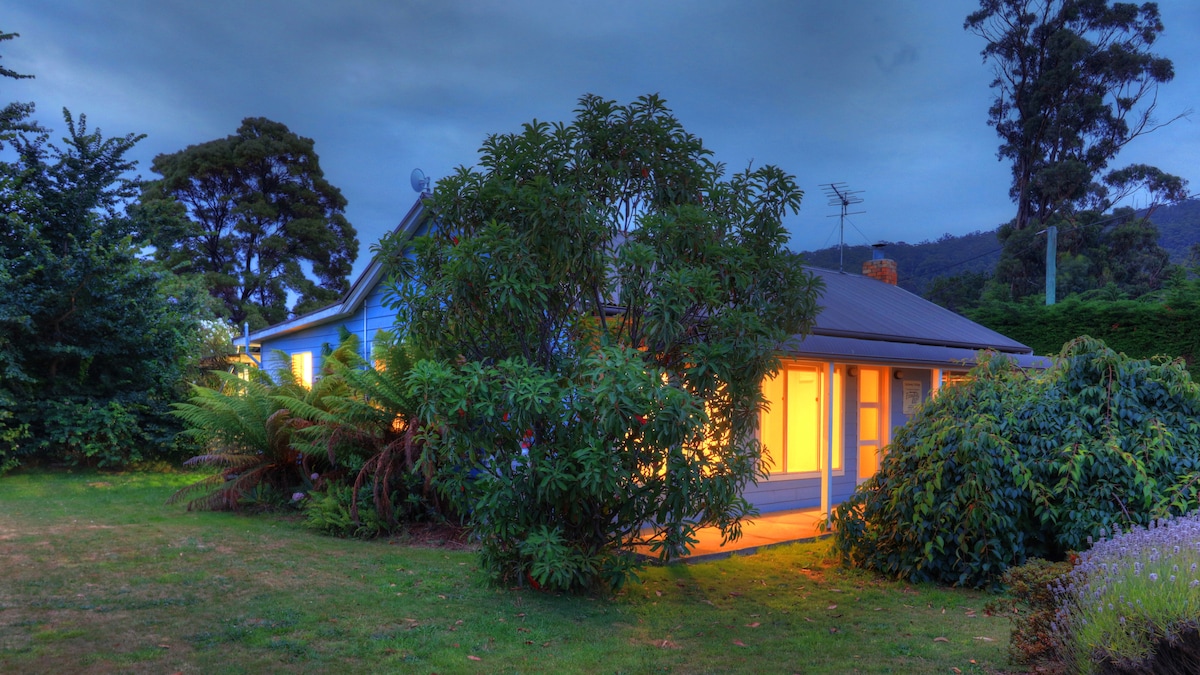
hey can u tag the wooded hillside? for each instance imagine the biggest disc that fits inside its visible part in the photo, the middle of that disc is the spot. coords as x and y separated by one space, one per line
1178 227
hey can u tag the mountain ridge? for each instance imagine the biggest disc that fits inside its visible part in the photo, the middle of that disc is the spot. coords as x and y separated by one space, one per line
919 264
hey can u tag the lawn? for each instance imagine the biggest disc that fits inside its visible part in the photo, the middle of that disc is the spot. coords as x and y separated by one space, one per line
98 576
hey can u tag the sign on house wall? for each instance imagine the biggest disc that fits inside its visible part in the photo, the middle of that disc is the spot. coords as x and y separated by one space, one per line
912 396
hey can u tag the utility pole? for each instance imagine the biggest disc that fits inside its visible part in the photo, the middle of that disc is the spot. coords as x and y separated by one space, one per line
1051 263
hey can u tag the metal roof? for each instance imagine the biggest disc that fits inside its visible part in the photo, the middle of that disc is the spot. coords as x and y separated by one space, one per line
825 347
861 318
862 308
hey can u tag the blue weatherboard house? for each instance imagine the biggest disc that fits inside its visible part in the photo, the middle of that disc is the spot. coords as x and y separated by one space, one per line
877 351
360 312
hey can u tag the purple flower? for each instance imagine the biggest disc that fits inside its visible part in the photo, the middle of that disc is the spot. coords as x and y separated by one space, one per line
297 496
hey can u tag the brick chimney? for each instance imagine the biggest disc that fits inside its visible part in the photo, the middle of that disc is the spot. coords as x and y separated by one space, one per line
879 267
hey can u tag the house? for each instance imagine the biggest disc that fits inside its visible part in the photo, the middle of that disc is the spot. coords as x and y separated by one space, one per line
876 352
361 312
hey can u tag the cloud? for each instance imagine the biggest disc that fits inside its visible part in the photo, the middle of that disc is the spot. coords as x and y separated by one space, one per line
890 97
903 56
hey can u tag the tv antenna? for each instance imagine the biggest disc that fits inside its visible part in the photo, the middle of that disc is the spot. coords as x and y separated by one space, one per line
419 181
841 195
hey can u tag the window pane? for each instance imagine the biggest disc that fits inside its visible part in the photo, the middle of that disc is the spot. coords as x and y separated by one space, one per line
773 423
837 420
868 424
804 421
868 460
868 385
302 367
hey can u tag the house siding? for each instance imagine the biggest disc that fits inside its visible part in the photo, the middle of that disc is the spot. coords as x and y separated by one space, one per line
318 338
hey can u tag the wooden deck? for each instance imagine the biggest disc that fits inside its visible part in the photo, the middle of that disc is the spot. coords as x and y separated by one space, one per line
768 529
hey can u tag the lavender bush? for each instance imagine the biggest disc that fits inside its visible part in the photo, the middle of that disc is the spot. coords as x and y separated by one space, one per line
1132 604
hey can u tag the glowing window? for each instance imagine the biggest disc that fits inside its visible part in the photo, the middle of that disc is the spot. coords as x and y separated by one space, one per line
872 411
953 377
302 368
795 429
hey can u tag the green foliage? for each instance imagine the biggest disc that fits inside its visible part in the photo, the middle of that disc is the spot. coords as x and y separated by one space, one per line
368 429
1075 83
1118 253
94 433
958 293
93 345
1031 603
1132 604
1169 325
8 72
12 436
249 213
248 433
332 511
345 443
14 117
599 307
1012 465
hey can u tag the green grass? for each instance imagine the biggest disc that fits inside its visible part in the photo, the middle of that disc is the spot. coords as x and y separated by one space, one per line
98 576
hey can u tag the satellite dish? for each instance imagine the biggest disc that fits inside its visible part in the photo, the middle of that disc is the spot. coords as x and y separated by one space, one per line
419 181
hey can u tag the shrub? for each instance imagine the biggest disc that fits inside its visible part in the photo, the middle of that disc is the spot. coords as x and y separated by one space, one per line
249 432
1168 324
369 431
599 304
1132 604
91 432
100 432
1033 605
13 435
1012 465
565 486
372 429
330 511
94 341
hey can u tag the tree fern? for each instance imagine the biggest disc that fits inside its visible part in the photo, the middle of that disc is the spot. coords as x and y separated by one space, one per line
248 433
373 430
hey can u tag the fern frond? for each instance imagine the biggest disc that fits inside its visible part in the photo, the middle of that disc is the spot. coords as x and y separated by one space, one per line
232 462
205 484
304 409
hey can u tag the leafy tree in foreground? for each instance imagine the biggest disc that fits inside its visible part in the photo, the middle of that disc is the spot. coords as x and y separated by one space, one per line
251 213
92 344
1012 465
601 306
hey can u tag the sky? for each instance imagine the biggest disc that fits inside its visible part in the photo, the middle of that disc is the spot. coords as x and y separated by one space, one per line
889 97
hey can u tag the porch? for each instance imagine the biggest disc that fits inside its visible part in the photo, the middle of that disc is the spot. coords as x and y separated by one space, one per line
766 530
